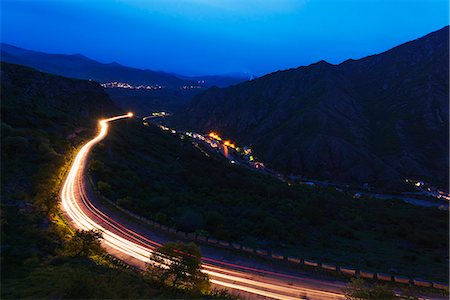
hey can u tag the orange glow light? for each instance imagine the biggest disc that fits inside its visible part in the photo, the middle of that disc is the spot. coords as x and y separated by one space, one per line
214 136
229 144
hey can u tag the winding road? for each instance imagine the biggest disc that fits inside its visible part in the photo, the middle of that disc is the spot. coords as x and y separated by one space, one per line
133 244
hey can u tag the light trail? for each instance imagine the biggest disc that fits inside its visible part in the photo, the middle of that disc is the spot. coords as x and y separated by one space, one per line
85 216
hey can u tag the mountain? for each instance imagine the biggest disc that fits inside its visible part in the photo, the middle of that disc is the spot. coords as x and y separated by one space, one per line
177 89
82 67
143 102
376 120
32 98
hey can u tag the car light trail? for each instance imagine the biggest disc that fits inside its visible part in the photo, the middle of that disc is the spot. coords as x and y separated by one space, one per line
84 215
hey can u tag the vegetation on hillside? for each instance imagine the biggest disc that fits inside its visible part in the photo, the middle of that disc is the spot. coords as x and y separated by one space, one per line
44 118
158 175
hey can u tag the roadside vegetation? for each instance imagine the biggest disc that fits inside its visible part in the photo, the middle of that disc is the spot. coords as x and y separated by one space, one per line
358 289
44 119
159 176
178 265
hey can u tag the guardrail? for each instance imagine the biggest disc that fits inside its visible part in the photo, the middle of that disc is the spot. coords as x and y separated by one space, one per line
342 270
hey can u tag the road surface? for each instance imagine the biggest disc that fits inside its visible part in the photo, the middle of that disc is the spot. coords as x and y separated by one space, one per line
134 247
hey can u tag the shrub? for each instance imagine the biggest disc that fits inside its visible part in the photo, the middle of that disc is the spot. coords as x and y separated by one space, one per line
178 265
357 289
104 188
83 243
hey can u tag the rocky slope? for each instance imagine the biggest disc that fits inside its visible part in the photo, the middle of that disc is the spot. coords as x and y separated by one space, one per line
376 120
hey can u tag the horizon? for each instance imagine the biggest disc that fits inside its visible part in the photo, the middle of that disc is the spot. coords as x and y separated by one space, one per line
230 32
230 74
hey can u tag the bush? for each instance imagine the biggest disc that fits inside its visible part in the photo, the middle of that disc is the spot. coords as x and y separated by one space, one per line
178 265
357 289
104 188
125 202
83 243
15 144
97 166
191 221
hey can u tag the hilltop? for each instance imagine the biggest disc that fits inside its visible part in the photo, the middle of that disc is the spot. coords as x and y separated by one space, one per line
375 120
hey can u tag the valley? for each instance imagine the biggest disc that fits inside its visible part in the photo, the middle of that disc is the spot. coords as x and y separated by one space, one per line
181 187
225 150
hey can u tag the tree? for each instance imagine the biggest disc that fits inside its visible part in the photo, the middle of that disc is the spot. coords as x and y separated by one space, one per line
84 243
97 166
104 188
15 144
357 289
178 265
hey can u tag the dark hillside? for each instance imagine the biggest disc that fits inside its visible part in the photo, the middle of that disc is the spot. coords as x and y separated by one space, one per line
43 119
376 120
163 177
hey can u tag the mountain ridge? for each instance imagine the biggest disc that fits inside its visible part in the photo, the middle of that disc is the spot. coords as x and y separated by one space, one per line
82 67
361 121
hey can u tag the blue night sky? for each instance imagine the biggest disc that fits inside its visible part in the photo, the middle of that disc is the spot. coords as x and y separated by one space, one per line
195 37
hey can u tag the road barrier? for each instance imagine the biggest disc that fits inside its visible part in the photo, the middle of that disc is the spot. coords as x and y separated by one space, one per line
420 282
348 271
294 260
384 277
262 252
401 279
266 254
439 285
366 274
247 249
236 246
212 241
224 243
310 263
329 267
277 256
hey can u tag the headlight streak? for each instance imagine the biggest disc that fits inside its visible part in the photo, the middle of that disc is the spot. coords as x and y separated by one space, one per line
139 247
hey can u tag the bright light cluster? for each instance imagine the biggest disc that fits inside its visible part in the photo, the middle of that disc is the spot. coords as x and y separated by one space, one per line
214 136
